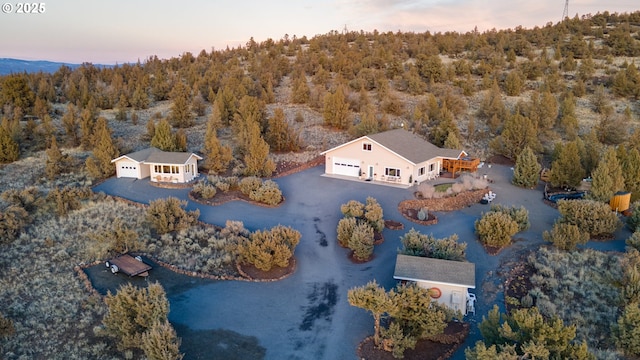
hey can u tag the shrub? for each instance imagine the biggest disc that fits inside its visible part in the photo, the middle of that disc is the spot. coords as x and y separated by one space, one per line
416 244
268 193
67 199
373 214
353 208
133 311
345 230
119 238
566 236
361 241
30 199
634 240
633 221
12 220
627 330
495 229
519 215
223 186
204 190
269 248
161 342
590 216
249 184
167 215
6 327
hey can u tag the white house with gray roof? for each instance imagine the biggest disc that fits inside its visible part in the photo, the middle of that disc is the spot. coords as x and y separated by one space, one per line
158 165
397 156
448 280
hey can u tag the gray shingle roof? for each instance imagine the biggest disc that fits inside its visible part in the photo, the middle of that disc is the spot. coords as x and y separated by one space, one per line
157 156
417 268
165 157
411 146
142 155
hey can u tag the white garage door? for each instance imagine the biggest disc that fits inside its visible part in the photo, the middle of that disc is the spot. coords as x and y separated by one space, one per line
128 169
348 167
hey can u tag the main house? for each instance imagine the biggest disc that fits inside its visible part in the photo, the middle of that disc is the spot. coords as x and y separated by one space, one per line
397 156
448 280
158 165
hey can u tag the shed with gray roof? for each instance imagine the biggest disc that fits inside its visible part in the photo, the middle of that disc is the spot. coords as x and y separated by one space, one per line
449 280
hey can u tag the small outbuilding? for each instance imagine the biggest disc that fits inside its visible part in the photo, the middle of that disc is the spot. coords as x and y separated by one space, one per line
158 165
448 280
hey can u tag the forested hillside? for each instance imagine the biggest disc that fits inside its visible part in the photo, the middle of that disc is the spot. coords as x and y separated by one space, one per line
568 93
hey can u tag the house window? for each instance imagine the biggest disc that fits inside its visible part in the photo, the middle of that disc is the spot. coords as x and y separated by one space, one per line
366 146
391 172
421 171
186 168
175 169
157 169
432 167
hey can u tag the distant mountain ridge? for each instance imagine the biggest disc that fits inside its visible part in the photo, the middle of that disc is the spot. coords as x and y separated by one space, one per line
9 66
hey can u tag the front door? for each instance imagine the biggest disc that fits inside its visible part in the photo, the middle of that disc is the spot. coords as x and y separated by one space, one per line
370 171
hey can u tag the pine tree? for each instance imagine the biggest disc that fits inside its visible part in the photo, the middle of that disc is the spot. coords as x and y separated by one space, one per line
9 149
87 139
99 164
163 138
140 99
527 170
180 115
300 92
181 140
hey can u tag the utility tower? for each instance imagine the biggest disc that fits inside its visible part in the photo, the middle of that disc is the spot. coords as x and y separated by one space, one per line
565 13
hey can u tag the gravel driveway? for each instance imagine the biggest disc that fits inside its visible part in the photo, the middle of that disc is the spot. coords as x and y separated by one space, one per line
307 316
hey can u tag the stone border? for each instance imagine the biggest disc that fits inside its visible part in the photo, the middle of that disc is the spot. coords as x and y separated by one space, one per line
293 270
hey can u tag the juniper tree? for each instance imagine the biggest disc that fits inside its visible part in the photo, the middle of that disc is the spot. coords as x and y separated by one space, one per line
160 342
518 132
99 163
568 119
56 162
167 215
70 124
180 115
631 171
336 109
607 177
361 241
566 170
256 157
527 169
270 248
279 135
217 156
132 311
375 299
163 138
9 148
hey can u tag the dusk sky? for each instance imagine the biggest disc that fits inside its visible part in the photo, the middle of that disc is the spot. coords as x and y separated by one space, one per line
121 31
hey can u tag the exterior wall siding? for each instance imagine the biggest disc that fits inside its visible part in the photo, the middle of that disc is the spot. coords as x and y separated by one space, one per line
379 157
447 294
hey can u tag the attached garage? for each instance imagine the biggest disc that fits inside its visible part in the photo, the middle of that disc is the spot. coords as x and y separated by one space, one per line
127 169
347 167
